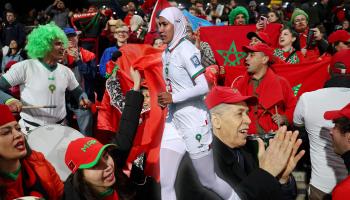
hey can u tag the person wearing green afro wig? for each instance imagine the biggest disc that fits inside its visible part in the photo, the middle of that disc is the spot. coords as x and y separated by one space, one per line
43 79
238 16
41 38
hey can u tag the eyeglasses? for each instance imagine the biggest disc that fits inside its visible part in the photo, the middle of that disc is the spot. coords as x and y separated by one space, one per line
300 20
122 32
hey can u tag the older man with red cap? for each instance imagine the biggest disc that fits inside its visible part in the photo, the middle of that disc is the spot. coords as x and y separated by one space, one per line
340 134
276 100
327 169
23 172
267 179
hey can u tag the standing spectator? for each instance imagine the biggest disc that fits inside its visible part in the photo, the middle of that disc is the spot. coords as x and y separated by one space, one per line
289 49
341 142
253 13
238 16
59 13
310 38
82 63
274 17
12 30
275 95
121 34
327 169
14 54
43 81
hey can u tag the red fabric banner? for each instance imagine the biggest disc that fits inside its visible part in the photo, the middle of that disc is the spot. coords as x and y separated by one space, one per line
227 48
148 61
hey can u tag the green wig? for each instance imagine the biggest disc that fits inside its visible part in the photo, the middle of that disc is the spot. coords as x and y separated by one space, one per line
238 10
40 40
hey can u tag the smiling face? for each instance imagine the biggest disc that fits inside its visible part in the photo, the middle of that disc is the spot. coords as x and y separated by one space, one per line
57 52
239 20
286 38
166 30
121 34
271 17
340 140
101 176
12 145
231 123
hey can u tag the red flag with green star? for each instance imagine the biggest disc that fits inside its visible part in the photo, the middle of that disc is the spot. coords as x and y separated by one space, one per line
227 46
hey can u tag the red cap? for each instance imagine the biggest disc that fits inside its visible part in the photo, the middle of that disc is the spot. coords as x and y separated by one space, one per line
261 47
6 115
339 36
340 63
84 153
221 94
335 114
261 36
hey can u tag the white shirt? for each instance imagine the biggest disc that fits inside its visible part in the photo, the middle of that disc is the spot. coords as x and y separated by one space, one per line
328 168
181 66
41 86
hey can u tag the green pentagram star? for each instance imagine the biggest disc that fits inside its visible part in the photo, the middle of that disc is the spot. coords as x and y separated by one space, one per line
232 51
296 89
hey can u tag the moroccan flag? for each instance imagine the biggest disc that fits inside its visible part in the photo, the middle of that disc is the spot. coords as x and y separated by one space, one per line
148 61
305 77
226 43
160 5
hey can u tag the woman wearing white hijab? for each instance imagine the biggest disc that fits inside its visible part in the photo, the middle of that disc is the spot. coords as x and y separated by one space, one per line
187 127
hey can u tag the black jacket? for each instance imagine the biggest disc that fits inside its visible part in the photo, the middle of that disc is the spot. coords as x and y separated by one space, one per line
14 31
250 183
124 140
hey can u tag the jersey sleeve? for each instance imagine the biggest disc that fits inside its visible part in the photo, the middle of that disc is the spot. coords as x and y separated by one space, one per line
16 75
192 62
299 112
72 81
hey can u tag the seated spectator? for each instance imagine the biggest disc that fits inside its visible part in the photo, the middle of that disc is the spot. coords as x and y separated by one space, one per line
341 142
23 172
289 50
59 12
339 40
346 26
14 54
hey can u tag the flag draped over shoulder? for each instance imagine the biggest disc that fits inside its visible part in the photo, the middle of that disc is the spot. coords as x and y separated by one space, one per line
147 60
226 43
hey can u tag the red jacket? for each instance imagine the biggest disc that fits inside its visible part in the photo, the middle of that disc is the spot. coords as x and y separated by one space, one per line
342 190
273 92
35 167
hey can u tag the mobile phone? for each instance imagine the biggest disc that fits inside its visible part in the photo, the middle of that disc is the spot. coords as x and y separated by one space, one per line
263 20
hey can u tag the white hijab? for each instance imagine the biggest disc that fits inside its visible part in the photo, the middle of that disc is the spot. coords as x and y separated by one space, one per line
175 16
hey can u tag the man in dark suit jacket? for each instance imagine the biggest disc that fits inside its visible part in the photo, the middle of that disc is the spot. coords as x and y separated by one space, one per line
269 177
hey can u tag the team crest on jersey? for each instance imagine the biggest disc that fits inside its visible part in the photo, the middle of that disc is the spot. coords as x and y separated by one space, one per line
195 61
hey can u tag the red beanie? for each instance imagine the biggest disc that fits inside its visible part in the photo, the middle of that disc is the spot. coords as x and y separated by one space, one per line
6 115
